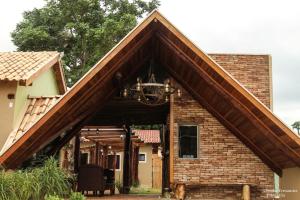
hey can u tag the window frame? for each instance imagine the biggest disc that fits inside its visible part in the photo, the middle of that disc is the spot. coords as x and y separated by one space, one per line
198 138
145 161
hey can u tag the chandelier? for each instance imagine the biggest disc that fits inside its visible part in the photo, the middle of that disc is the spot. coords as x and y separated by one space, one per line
151 92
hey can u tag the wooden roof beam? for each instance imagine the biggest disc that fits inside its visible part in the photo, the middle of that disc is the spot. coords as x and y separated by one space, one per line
263 128
265 158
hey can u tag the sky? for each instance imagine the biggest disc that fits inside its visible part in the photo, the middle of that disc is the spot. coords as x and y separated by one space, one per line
218 26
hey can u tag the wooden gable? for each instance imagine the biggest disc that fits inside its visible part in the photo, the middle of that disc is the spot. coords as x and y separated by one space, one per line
224 97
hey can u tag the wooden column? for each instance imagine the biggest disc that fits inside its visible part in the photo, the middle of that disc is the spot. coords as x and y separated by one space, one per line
165 154
97 153
77 153
126 163
92 155
171 134
115 162
136 164
105 152
246 192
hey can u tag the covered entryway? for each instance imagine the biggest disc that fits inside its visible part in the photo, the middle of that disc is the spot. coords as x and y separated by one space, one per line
114 138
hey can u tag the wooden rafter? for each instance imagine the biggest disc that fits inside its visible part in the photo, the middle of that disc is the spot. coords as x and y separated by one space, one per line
242 113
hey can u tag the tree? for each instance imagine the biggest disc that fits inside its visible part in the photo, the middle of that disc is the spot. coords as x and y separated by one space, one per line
296 125
85 30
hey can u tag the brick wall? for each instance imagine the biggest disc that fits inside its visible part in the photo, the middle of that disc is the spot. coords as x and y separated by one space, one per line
252 71
223 160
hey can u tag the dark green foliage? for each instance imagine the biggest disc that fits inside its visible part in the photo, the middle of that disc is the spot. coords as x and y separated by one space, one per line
296 125
85 30
77 196
35 184
53 197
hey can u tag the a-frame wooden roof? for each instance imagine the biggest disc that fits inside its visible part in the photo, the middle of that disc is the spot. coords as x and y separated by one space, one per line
236 108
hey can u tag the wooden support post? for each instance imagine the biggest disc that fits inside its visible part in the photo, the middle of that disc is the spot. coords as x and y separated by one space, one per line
136 164
246 192
77 153
97 153
171 134
105 158
126 163
166 168
92 154
115 162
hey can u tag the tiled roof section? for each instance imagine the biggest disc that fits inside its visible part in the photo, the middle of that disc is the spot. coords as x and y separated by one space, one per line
20 66
148 136
37 107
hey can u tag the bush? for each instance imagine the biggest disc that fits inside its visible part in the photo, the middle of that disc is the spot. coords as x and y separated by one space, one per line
77 196
50 197
52 180
35 184
119 186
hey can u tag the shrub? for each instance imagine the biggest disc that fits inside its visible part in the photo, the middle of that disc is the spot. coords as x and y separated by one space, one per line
52 180
119 186
50 197
35 184
5 186
77 196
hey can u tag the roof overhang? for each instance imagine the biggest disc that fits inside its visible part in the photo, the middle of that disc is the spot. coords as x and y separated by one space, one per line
235 107
44 64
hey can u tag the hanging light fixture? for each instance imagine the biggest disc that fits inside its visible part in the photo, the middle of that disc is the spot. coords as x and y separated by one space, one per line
151 93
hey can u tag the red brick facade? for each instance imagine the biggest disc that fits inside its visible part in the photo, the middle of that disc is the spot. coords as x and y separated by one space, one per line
223 161
254 72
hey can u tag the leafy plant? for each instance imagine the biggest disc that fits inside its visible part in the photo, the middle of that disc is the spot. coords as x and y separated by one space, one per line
119 186
52 179
135 184
77 196
35 184
50 197
5 186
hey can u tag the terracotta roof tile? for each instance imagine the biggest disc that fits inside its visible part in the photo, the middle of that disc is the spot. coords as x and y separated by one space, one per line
148 136
17 66
37 107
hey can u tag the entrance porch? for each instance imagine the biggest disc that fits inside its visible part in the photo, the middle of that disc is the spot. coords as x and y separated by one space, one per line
114 141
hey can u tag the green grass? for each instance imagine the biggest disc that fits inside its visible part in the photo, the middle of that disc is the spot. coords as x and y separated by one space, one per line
144 190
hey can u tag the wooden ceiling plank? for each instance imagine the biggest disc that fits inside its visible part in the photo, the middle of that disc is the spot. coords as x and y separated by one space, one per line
255 121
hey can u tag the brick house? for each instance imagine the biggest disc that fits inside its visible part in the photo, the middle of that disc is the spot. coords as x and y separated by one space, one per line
220 137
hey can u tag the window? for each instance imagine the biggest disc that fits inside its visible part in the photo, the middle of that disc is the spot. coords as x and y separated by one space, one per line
142 158
188 141
84 158
111 162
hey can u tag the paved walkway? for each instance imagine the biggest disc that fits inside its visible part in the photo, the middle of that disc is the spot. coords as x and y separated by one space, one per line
127 197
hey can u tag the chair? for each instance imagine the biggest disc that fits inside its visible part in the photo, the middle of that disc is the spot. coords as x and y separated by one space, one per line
109 177
91 178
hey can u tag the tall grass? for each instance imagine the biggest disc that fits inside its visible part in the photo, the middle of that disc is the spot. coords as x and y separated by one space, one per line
36 183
